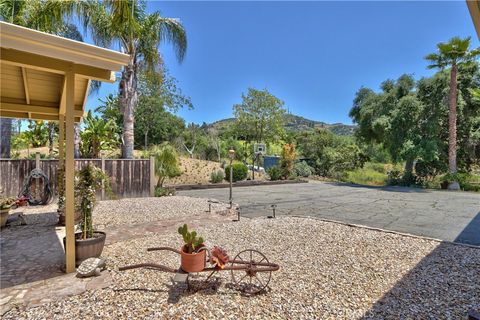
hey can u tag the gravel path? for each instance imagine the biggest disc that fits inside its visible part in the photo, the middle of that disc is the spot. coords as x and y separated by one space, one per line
328 271
141 210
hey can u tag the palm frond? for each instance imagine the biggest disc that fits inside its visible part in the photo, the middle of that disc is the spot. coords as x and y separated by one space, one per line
172 31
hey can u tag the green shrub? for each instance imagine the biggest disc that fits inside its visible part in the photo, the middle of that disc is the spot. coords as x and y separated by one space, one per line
366 176
375 166
394 177
468 182
240 172
302 169
217 176
275 173
163 191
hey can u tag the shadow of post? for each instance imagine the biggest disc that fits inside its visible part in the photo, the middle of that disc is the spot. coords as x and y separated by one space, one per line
471 233
31 252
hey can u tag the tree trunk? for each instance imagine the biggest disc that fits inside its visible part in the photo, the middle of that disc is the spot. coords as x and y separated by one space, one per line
51 132
6 135
146 140
128 101
452 127
76 141
409 165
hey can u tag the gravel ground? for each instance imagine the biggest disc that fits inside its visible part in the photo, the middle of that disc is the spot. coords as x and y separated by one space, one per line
328 271
141 210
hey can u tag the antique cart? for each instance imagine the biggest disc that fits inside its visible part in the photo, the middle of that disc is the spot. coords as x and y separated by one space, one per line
250 270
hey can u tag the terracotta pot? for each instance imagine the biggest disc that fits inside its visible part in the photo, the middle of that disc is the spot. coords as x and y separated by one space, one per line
4 216
193 262
87 248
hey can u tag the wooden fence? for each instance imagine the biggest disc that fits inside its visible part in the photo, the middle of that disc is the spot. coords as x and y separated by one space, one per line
128 178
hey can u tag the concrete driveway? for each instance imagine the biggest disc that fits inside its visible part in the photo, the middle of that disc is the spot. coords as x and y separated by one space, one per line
453 216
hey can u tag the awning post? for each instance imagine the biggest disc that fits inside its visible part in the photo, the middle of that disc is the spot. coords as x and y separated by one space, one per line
70 173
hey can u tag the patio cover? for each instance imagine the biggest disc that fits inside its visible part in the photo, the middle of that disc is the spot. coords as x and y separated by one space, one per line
474 7
47 77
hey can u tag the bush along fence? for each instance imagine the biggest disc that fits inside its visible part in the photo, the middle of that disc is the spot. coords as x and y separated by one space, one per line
129 178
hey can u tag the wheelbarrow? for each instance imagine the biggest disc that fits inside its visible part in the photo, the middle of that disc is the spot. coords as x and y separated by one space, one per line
251 271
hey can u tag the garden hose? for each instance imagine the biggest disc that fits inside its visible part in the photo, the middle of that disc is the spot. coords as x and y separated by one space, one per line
46 195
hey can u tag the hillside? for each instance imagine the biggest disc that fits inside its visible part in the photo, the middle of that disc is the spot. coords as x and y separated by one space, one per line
297 123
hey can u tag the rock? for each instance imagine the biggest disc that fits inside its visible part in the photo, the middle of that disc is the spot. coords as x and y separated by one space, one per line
91 267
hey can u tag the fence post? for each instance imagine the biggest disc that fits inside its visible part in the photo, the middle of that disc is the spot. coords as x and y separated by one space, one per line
152 176
103 183
37 160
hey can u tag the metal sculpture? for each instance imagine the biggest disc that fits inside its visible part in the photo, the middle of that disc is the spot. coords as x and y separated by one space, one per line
250 270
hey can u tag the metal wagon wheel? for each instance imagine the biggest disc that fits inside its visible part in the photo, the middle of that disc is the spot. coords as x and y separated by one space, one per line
252 279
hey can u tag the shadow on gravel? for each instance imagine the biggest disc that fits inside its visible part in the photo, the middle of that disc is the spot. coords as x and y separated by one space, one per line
383 188
471 233
445 284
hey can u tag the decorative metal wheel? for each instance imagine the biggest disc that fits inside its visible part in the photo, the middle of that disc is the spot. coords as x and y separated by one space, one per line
247 273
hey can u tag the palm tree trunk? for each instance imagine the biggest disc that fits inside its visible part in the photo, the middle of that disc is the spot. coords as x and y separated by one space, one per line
452 127
128 101
51 132
76 141
6 135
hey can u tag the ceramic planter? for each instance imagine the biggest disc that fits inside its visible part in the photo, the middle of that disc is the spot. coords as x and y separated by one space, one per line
193 262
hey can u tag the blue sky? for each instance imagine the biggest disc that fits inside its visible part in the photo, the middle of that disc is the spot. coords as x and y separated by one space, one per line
312 55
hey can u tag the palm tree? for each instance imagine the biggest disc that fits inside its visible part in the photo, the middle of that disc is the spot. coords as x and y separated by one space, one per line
98 135
451 54
166 163
126 24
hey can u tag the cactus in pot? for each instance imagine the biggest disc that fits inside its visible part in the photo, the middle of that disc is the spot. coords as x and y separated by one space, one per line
193 256
192 242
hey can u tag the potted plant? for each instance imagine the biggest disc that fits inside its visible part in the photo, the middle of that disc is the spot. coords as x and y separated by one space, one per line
89 243
193 252
5 206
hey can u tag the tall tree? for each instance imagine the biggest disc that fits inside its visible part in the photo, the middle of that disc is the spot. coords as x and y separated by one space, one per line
159 96
260 116
127 25
452 54
6 135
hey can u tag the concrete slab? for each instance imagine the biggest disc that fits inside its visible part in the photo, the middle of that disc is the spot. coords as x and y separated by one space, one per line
446 215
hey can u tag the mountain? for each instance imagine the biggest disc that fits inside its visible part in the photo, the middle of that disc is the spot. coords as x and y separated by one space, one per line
297 123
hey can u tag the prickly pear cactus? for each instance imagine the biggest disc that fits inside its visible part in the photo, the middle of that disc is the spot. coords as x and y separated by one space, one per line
190 238
91 267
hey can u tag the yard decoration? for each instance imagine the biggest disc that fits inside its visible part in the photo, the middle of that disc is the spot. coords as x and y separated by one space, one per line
89 243
218 257
250 269
193 251
91 267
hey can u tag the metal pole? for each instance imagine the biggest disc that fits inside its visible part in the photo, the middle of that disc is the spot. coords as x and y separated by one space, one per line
231 179
253 168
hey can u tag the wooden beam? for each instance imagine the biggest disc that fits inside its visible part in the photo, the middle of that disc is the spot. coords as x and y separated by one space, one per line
33 102
474 8
25 85
70 174
44 63
87 92
32 116
63 97
61 141
34 109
